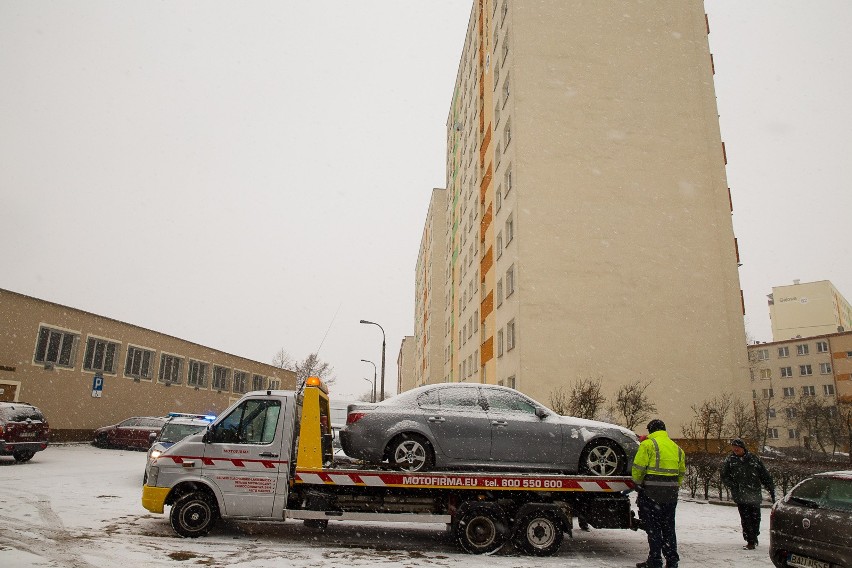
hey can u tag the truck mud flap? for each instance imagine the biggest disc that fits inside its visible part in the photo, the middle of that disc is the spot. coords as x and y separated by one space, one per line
607 513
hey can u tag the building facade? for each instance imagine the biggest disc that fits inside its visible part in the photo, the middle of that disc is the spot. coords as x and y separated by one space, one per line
795 377
808 309
588 218
56 357
406 365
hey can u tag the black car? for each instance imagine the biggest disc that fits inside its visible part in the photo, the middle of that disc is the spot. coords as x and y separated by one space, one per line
811 527
23 430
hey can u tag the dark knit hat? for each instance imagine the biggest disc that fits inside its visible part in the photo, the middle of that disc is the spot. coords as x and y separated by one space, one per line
656 425
739 442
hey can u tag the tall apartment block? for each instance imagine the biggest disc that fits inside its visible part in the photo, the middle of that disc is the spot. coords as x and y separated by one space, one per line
588 219
805 310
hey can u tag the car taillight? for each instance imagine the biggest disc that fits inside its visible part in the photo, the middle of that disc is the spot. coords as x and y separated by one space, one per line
354 417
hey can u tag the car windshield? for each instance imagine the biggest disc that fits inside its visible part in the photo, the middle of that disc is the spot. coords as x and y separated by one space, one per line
16 413
175 432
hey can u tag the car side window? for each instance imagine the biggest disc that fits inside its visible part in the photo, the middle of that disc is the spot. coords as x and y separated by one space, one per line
504 401
252 422
460 398
429 400
839 495
129 423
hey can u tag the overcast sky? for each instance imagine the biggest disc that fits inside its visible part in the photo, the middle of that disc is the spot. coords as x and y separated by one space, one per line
254 176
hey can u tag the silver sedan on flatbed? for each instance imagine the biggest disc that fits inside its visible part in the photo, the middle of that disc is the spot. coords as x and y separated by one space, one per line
482 426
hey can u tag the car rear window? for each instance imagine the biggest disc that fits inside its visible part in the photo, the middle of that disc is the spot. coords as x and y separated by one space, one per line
839 494
15 413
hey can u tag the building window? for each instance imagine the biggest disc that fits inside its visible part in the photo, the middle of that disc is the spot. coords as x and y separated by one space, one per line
802 349
100 355
792 433
138 363
499 244
55 347
822 347
505 50
170 367
828 390
765 374
510 335
197 374
504 9
240 381
499 293
498 198
221 378
805 370
789 392
510 281
258 382
809 391
507 134
506 91
274 384
770 413
786 372
476 320
825 368
772 433
508 181
762 354
500 343
510 229
768 393
791 413
783 351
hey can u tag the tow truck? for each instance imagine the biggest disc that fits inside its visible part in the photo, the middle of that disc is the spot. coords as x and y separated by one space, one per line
269 457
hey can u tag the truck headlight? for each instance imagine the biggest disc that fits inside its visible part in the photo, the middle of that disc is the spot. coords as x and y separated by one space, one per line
155 454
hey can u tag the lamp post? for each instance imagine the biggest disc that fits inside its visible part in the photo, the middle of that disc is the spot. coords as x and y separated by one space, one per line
382 390
373 392
374 378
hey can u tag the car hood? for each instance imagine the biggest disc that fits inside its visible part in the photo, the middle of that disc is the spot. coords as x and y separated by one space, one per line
590 428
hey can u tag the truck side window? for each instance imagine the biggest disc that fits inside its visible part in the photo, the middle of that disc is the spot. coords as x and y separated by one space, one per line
252 422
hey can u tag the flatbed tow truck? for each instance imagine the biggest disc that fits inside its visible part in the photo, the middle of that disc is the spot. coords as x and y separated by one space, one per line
269 458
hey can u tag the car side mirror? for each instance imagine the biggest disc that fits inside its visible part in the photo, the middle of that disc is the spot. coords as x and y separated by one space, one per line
151 437
541 413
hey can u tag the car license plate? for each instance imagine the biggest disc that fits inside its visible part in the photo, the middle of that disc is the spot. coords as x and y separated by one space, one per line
28 435
805 562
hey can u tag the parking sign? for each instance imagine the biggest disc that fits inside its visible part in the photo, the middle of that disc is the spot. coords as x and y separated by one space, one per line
97 385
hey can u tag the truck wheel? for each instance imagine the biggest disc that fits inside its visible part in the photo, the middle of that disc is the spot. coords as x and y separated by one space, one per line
22 456
603 457
411 452
540 533
481 530
194 514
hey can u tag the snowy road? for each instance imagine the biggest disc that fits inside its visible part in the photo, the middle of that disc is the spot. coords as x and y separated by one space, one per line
79 507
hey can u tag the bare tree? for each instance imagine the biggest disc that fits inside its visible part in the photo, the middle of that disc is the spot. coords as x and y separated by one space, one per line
311 366
583 401
709 419
812 417
632 404
743 422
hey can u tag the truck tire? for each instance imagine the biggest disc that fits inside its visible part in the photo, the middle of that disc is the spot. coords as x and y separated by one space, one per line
194 514
540 533
481 529
411 452
603 457
22 456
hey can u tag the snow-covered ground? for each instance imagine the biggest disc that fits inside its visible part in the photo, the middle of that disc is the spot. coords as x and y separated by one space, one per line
78 506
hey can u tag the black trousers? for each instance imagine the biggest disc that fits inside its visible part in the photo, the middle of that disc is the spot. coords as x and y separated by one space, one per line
659 522
750 519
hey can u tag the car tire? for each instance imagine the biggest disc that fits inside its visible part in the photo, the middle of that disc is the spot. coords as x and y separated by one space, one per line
22 456
411 452
540 533
481 529
603 457
101 441
194 514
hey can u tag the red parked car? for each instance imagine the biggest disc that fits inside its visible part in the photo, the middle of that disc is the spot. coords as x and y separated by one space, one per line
131 433
23 430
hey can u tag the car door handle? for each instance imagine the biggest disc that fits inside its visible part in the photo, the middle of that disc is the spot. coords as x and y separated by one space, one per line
437 419
268 455
499 423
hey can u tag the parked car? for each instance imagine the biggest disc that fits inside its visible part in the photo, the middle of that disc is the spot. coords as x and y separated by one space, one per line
23 430
177 427
131 433
463 426
811 527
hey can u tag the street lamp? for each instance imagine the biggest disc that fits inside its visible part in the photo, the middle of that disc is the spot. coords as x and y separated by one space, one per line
374 378
382 391
373 382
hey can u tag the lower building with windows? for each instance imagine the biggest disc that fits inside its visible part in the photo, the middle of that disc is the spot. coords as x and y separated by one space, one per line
86 371
796 387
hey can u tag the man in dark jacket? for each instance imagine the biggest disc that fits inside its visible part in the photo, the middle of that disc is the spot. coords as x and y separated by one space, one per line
745 476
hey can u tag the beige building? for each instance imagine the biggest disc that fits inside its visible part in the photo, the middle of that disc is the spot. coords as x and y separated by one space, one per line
405 365
784 374
805 310
54 356
588 217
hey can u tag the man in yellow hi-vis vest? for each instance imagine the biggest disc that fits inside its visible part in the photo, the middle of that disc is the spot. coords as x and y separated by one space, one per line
658 469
